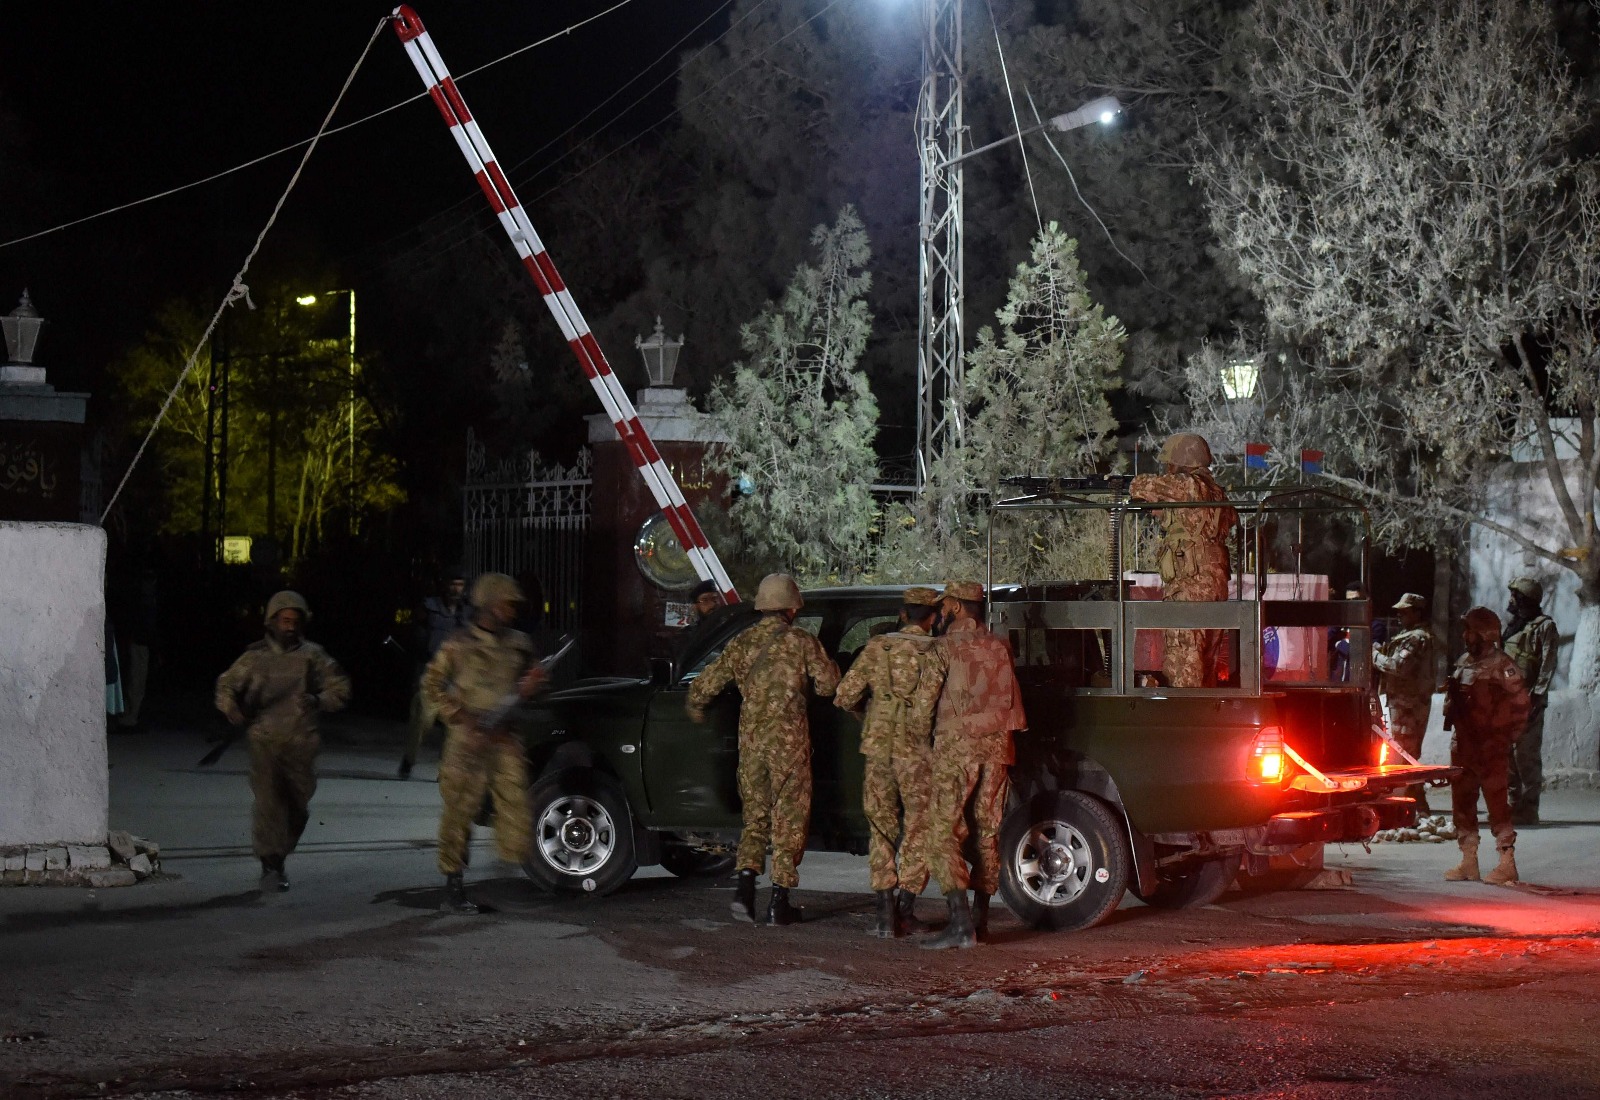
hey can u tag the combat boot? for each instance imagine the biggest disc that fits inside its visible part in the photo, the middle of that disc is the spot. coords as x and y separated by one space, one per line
779 911
883 924
980 915
744 897
1505 872
958 933
906 914
1467 871
405 768
455 897
273 876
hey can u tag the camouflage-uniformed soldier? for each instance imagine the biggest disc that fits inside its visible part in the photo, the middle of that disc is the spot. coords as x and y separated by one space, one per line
471 676
771 664
903 676
1531 640
1406 661
279 686
979 708
1486 703
1194 553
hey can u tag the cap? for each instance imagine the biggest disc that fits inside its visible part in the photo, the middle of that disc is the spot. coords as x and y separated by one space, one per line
920 597
1411 599
971 591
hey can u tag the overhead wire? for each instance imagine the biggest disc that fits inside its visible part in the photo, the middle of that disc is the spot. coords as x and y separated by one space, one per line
324 132
239 290
1016 120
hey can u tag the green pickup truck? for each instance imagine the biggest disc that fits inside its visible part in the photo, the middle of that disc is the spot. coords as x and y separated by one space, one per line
1120 783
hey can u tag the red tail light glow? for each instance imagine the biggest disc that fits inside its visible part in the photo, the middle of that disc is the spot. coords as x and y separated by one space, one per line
1266 756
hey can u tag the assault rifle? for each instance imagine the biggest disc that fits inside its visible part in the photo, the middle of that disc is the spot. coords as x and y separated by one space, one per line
509 703
1034 485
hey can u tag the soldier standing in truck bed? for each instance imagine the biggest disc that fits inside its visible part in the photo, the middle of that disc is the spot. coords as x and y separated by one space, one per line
903 676
279 686
1193 555
771 663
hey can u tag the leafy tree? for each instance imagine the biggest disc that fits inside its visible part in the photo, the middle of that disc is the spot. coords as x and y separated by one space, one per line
1037 403
1414 214
800 417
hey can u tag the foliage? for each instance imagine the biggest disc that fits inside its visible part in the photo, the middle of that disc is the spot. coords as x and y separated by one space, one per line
1037 403
800 417
296 417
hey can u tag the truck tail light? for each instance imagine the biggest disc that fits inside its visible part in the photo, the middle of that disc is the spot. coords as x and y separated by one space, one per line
1267 762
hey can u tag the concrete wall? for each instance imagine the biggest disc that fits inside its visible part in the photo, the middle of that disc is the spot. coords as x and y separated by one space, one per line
54 777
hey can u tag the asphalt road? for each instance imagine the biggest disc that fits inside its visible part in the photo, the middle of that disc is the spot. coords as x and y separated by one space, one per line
353 984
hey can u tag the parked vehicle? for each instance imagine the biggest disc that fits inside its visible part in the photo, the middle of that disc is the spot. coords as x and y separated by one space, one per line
1121 782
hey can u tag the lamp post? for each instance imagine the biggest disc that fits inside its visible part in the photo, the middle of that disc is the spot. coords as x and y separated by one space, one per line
660 355
350 350
1239 379
1103 111
22 327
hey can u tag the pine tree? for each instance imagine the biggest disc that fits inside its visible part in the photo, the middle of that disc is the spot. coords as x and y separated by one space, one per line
800 416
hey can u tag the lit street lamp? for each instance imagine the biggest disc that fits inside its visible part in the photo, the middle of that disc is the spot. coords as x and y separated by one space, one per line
1103 111
1239 379
311 300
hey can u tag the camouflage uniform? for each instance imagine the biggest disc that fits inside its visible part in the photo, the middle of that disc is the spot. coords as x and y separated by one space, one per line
472 672
1532 645
270 685
771 663
904 677
980 705
1487 704
1406 661
1194 567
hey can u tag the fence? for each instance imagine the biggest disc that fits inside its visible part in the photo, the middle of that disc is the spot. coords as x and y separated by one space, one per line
527 519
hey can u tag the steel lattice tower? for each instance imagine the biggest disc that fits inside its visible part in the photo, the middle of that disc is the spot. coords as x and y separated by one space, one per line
940 133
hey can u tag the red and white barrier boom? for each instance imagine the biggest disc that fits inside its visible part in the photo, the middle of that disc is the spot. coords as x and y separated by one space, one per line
514 220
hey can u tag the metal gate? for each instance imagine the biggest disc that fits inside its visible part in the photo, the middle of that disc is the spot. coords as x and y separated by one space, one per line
529 520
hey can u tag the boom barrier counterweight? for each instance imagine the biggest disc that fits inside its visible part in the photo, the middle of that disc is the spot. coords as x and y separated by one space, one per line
514 220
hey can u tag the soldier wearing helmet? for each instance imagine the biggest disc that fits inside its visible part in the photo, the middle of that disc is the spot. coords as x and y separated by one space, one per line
471 675
771 664
1531 640
277 689
1486 704
1406 662
1193 552
900 676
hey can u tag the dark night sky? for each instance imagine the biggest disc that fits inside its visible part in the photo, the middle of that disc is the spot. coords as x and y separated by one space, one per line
104 105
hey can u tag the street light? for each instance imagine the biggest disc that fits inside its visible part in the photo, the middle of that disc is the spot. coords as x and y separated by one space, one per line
1103 110
1239 379
660 355
22 326
311 300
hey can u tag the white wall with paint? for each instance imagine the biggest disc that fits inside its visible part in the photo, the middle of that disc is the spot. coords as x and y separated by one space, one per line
54 778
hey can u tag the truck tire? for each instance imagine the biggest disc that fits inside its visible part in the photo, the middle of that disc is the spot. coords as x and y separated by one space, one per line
1063 861
1202 884
582 834
687 861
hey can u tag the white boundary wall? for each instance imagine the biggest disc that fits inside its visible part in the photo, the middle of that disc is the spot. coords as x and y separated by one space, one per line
54 778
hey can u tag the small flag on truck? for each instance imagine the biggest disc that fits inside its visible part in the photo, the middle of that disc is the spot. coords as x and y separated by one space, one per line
1255 456
1311 462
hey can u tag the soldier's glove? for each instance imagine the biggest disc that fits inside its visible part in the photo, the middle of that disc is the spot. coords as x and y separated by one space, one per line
233 714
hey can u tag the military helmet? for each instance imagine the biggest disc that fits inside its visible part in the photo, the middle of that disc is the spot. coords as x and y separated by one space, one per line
1528 588
286 601
778 592
492 587
1186 449
1483 621
970 591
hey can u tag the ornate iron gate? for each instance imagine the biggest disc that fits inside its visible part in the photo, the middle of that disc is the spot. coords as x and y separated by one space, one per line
523 518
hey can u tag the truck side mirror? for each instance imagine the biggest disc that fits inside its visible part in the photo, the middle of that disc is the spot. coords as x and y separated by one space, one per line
660 672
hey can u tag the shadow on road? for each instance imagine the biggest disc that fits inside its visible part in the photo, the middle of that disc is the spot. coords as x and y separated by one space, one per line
94 913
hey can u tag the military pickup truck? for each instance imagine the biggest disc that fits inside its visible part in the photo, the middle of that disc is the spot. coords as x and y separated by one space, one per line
1120 783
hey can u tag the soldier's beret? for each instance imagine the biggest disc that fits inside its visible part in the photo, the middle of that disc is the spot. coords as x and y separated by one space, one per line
920 597
971 591
1411 599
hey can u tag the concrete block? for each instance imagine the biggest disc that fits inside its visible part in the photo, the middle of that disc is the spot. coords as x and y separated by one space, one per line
115 876
12 878
54 780
34 860
55 859
121 845
15 861
140 865
82 857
